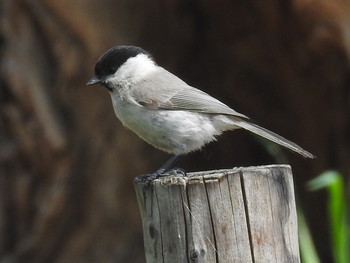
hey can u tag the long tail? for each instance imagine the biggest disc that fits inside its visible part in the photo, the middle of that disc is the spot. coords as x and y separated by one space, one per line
273 137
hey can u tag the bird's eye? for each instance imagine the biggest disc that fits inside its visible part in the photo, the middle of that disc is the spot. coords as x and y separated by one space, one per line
111 70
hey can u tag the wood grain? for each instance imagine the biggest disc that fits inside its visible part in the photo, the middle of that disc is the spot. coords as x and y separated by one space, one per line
236 215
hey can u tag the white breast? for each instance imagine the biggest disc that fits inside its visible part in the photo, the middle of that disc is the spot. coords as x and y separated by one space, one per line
176 132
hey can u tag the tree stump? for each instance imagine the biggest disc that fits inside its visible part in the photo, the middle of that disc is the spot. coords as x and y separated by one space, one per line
235 215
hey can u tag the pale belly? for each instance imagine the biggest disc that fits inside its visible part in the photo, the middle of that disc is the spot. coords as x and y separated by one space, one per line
176 132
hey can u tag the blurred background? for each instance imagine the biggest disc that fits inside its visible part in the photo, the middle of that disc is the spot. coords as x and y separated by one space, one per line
67 164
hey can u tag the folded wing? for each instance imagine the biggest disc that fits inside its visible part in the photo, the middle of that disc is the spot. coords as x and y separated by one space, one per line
163 90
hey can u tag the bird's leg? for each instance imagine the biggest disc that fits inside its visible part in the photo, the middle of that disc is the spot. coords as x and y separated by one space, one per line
167 164
164 168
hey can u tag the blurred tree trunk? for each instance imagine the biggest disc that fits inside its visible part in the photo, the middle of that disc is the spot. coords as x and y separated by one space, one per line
66 163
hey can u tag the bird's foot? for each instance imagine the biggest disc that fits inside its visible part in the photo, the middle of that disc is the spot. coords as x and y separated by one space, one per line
147 178
176 172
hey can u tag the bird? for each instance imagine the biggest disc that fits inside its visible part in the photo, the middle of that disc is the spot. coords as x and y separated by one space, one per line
164 110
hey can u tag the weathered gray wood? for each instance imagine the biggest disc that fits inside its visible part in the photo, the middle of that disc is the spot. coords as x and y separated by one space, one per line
201 242
272 214
236 215
232 242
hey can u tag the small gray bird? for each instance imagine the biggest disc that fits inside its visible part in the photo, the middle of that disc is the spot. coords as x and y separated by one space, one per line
164 110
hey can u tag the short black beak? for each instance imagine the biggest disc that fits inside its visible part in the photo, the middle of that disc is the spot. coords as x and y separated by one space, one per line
93 80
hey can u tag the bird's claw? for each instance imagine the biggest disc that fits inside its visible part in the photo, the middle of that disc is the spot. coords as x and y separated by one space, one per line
177 172
148 178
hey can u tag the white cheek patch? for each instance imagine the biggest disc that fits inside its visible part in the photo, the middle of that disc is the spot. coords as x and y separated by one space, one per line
112 79
134 69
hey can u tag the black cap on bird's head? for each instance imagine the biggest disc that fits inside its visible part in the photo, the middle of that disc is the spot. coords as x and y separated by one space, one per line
111 61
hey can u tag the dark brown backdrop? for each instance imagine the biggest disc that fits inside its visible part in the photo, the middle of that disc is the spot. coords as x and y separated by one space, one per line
66 162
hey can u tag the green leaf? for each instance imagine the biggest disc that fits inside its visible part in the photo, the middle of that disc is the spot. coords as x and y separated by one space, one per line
333 182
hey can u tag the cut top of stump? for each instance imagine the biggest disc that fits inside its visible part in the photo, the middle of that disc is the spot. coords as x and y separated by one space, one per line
174 179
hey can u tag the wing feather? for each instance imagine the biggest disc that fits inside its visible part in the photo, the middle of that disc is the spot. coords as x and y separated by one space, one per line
163 90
